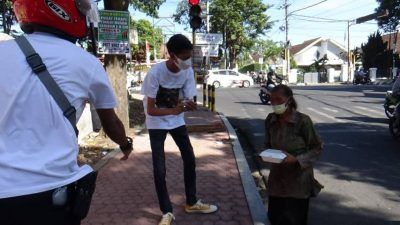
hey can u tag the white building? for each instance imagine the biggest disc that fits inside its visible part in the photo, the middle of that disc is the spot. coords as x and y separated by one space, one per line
309 51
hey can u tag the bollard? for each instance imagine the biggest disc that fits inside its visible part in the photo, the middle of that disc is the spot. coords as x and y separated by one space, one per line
204 95
213 99
209 96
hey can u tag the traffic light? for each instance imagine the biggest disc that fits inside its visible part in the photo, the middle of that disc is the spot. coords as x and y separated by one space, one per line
195 14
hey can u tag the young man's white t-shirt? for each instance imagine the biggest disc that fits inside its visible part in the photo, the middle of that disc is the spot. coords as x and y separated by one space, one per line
160 75
38 146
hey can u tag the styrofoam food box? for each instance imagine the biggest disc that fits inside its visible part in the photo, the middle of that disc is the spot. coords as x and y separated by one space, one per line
273 156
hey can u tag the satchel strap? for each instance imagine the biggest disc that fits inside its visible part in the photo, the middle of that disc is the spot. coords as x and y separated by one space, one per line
40 69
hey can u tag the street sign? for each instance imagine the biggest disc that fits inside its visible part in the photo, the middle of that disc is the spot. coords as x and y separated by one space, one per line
114 32
372 16
205 50
207 39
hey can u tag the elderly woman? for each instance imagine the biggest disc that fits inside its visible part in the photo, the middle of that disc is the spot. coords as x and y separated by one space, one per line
291 183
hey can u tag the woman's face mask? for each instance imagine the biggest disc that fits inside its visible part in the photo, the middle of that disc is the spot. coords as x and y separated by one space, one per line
280 109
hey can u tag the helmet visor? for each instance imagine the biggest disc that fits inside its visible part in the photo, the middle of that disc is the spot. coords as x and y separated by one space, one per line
83 6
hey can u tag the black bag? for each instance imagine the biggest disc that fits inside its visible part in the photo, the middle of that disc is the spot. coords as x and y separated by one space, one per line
82 197
167 97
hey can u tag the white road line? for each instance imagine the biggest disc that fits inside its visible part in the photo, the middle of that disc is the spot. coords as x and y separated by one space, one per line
370 111
334 131
326 115
329 109
258 134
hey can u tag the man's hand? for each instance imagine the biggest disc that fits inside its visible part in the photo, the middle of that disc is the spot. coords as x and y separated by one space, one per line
126 155
190 105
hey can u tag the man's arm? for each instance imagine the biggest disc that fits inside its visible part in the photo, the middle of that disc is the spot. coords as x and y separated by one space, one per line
114 128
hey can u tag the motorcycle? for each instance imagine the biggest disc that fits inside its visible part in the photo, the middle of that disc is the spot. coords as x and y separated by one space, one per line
265 92
361 78
390 104
394 126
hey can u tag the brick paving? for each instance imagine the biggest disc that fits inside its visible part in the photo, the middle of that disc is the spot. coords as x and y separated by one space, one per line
125 193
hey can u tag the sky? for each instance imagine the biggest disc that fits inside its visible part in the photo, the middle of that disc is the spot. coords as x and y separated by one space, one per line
300 30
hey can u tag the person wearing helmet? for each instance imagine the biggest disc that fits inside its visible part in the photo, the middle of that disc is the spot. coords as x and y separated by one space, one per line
39 173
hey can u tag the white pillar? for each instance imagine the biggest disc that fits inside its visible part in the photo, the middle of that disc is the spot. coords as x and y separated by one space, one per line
331 75
372 74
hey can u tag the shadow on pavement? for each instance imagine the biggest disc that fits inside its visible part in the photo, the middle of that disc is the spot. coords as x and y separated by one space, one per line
125 193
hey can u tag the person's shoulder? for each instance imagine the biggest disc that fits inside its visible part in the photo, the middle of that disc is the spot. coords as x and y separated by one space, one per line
304 118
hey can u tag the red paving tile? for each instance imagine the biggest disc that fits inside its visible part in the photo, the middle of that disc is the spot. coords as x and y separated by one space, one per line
125 193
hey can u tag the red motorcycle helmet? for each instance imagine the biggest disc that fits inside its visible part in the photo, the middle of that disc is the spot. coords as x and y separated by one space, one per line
64 16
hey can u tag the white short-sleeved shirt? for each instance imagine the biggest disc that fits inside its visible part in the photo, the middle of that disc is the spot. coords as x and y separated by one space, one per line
38 146
160 77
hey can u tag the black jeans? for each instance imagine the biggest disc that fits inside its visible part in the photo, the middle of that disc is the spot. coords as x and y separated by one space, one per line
34 209
287 211
181 138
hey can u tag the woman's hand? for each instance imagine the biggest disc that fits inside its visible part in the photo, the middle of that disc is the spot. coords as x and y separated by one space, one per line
290 159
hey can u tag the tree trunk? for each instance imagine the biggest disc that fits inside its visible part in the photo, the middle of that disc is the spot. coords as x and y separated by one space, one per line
116 68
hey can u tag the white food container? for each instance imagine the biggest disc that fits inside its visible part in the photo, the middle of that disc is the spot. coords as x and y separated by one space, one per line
273 156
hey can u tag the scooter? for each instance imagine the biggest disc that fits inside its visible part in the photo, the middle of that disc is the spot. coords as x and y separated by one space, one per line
265 92
394 126
390 104
361 78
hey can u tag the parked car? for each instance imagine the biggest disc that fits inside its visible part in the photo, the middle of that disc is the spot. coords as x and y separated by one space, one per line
228 78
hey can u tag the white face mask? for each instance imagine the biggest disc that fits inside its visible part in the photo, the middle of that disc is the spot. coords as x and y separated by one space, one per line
280 109
184 64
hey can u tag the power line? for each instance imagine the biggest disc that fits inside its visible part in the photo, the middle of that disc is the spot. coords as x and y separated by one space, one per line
320 18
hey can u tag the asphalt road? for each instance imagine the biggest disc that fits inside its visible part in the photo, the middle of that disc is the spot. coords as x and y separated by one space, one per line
360 164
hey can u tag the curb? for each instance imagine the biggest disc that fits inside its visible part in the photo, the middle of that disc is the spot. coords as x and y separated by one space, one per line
256 206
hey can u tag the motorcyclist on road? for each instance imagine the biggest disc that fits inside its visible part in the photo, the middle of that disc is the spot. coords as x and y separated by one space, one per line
396 94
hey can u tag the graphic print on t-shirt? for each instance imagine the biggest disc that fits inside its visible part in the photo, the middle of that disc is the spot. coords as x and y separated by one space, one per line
167 98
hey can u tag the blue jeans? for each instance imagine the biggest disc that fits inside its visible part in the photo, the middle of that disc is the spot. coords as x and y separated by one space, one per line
181 138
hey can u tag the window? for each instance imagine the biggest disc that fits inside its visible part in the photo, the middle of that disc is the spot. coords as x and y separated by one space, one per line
223 72
232 73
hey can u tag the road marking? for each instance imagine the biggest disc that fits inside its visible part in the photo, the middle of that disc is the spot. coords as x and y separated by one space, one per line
325 115
331 110
351 131
370 111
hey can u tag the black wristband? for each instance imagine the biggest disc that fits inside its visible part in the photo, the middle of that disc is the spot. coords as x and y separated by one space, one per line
128 146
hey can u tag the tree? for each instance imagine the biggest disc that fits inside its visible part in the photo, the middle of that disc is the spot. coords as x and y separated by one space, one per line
270 49
146 32
116 64
376 54
390 22
240 22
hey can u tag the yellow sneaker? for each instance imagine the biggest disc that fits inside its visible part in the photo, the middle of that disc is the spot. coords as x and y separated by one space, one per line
200 207
166 219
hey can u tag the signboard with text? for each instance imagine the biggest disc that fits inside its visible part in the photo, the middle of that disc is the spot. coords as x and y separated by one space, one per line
206 39
113 37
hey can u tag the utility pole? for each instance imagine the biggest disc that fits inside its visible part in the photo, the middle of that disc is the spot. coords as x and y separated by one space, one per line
348 51
208 16
287 55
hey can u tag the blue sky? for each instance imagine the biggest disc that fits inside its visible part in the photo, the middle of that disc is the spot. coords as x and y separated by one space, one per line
300 30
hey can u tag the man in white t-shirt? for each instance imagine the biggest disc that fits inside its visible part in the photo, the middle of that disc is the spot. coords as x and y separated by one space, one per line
38 144
169 89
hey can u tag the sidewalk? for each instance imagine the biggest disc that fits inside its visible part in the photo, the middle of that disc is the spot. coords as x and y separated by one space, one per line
125 193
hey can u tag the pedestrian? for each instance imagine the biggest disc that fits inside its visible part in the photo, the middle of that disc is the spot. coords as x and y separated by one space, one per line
40 179
291 183
169 89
